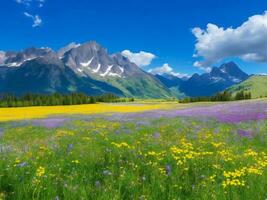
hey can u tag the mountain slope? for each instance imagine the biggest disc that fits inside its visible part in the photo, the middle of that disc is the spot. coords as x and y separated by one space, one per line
89 68
92 60
173 83
48 74
84 68
256 84
169 80
218 79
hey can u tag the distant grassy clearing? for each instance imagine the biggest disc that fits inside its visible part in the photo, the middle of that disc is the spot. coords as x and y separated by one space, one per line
9 114
255 84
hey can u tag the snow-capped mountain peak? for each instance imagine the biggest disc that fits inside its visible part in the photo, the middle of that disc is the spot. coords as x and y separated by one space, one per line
65 49
16 59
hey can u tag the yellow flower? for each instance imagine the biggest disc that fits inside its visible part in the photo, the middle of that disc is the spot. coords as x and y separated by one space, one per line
217 145
254 170
17 160
40 171
61 133
42 148
151 153
7 114
250 152
233 182
86 138
122 145
212 178
2 195
75 161
162 170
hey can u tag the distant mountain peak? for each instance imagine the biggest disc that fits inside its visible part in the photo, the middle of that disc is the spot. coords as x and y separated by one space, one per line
215 71
195 76
232 69
16 59
93 45
218 79
67 48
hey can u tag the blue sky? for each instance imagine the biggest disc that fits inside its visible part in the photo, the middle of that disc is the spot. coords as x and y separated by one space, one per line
163 28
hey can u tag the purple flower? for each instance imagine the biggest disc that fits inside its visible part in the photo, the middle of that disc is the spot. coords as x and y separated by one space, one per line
69 148
142 123
230 112
245 133
168 170
156 135
50 122
22 164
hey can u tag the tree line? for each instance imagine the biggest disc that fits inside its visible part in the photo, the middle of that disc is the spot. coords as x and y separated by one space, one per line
222 96
10 100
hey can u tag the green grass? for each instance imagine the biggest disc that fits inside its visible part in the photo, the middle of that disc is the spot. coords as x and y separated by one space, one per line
145 88
161 159
257 85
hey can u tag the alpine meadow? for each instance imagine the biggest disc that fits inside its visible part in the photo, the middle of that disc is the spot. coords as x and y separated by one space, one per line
133 100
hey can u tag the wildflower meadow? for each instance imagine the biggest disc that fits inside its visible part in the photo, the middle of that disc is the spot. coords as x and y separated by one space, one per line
213 151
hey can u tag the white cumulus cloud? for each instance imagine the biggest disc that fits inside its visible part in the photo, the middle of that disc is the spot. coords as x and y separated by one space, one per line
166 69
247 42
141 59
37 21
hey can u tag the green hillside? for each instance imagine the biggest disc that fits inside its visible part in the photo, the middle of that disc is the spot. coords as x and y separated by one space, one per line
140 87
256 84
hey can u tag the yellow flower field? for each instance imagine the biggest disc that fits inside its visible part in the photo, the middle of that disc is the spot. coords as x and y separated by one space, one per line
9 114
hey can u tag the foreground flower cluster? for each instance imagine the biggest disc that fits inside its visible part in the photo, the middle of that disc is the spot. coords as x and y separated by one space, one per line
178 158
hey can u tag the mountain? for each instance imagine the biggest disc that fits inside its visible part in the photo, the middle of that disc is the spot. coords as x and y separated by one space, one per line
207 84
16 59
255 84
65 49
233 71
92 60
89 68
76 68
173 83
48 74
218 79
169 80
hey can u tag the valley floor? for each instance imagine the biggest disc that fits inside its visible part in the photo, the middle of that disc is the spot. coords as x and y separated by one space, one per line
135 151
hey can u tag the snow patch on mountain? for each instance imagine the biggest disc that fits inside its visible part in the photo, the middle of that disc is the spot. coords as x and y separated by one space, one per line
107 71
86 64
2 57
80 70
122 70
114 74
18 64
97 69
